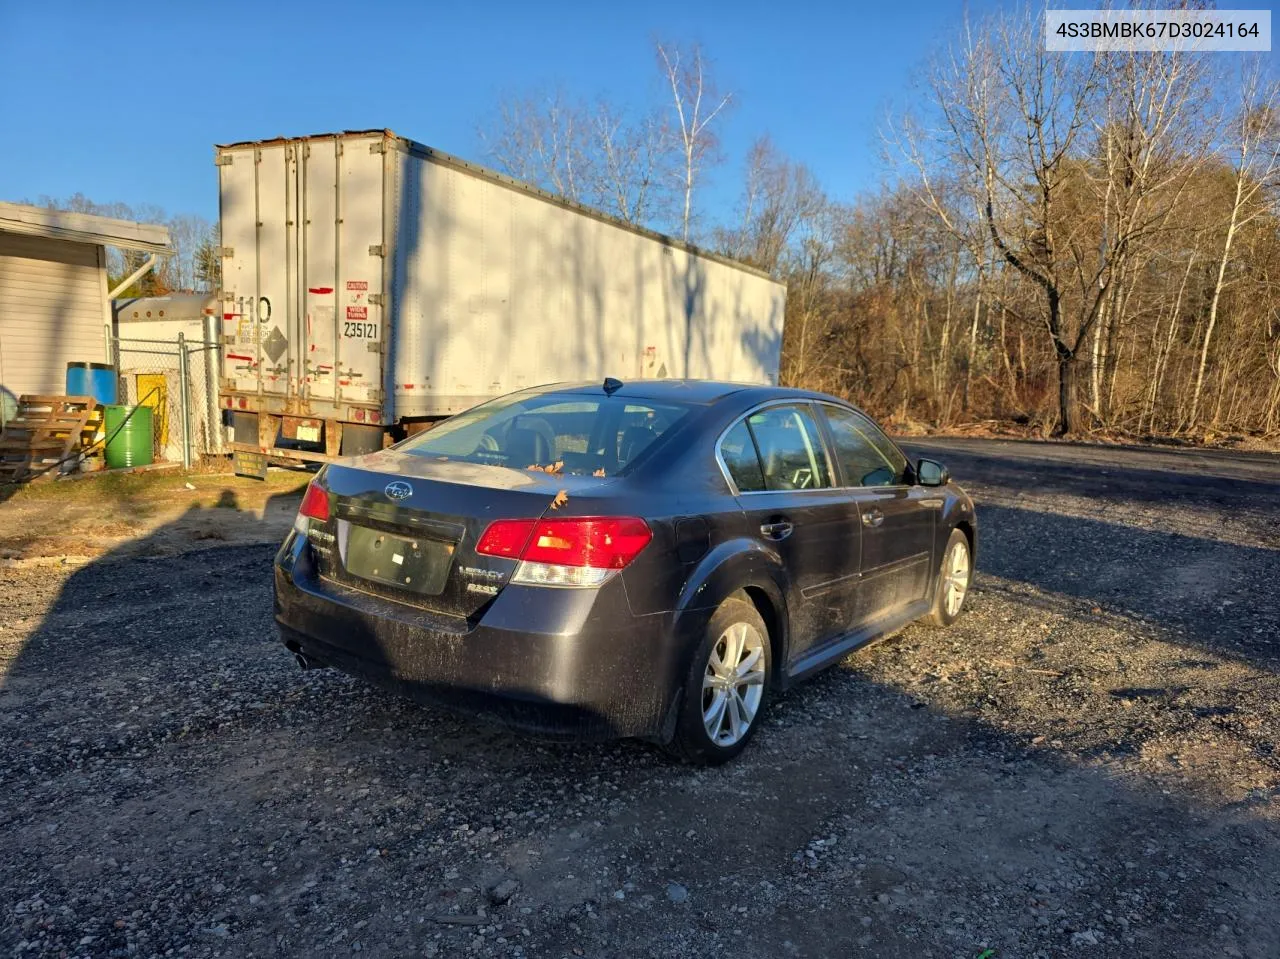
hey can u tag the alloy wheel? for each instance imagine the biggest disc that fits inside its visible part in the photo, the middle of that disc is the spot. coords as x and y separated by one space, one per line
955 578
733 684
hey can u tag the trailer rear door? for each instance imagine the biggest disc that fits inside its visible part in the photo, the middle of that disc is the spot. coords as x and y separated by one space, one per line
302 229
343 183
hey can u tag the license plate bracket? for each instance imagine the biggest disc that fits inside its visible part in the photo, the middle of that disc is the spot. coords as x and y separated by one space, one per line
418 564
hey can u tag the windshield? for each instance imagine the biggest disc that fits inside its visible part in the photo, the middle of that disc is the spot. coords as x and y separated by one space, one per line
586 435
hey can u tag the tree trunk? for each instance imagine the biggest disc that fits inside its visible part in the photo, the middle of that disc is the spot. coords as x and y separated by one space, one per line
1066 394
1096 365
1217 294
973 346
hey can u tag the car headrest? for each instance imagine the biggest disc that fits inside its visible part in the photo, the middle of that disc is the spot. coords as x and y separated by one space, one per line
525 447
634 439
539 425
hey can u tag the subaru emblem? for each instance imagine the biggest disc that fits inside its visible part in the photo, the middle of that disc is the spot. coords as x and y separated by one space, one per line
399 490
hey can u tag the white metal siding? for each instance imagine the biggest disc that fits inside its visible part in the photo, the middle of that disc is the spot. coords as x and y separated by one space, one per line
52 311
486 287
497 289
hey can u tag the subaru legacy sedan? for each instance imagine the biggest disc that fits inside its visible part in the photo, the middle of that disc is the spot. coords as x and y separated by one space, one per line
651 559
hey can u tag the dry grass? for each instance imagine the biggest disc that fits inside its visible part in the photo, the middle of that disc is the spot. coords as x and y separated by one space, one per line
92 514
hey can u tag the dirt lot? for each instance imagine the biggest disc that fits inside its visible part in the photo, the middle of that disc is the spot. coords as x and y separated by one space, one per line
74 520
1084 765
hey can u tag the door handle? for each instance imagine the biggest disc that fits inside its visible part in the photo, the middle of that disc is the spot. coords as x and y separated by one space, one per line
780 530
872 517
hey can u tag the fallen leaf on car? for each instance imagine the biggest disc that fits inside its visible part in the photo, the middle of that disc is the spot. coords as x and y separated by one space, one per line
599 472
561 498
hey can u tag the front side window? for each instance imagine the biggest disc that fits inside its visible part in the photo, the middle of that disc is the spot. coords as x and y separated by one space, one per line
865 454
586 434
789 448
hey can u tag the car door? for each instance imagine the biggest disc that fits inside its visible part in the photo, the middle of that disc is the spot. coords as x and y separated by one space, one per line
778 462
898 519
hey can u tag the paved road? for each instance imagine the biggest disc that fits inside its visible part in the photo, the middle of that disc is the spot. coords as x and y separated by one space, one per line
1084 765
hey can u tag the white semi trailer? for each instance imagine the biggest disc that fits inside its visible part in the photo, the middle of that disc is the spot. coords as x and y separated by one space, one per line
372 285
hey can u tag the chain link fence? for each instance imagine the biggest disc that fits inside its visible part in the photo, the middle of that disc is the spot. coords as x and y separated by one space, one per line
178 379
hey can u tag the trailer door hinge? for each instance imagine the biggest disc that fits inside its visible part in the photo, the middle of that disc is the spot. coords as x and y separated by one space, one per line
374 346
378 249
229 340
223 159
225 252
378 146
377 299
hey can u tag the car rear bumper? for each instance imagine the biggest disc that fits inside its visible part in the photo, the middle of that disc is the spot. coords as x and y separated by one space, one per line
562 663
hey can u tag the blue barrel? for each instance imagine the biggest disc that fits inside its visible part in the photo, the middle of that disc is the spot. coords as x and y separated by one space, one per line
92 379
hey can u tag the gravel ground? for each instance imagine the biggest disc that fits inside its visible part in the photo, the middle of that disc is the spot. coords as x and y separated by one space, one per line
1084 765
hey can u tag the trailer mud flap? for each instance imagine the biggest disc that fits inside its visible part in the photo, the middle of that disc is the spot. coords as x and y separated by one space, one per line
252 465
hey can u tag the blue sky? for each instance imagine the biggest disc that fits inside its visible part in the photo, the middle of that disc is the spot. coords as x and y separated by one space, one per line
125 103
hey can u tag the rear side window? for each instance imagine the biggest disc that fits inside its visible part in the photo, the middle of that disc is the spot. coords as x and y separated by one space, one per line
738 451
790 448
865 454
584 434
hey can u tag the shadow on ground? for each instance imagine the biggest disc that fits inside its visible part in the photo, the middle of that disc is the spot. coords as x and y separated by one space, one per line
173 781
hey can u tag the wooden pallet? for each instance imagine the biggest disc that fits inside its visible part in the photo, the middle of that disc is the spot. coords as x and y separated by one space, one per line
47 431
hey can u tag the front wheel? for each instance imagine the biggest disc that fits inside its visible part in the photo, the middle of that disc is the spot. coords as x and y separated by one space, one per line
953 580
727 686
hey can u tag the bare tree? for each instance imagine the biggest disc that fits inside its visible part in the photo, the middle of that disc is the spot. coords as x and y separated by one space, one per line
208 264
1076 161
1111 221
697 103
627 170
1255 141
599 155
781 203
541 139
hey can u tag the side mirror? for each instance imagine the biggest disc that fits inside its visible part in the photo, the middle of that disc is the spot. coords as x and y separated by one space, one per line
931 473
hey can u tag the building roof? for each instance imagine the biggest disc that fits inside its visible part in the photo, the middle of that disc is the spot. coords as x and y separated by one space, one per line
84 228
173 306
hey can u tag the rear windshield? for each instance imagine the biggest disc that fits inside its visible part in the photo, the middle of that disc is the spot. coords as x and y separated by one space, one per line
585 435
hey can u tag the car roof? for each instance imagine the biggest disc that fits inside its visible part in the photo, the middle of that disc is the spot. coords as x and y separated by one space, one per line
702 392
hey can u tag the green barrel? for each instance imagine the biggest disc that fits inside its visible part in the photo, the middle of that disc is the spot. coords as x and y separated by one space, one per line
130 444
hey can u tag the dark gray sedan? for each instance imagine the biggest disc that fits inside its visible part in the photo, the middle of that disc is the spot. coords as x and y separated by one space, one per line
651 559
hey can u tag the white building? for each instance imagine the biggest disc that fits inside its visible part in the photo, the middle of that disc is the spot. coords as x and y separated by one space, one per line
55 304
153 332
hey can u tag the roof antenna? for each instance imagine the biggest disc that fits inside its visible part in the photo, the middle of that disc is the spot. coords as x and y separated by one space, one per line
611 385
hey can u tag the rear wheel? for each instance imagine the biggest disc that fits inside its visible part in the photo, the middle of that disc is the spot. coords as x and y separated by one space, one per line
727 686
953 580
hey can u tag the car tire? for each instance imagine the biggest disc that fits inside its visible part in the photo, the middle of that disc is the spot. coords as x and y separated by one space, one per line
955 575
722 702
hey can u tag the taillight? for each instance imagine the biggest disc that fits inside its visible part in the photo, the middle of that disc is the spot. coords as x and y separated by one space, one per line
506 538
584 551
315 505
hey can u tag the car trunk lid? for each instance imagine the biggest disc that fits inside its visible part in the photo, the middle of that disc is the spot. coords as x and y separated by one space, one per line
405 527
